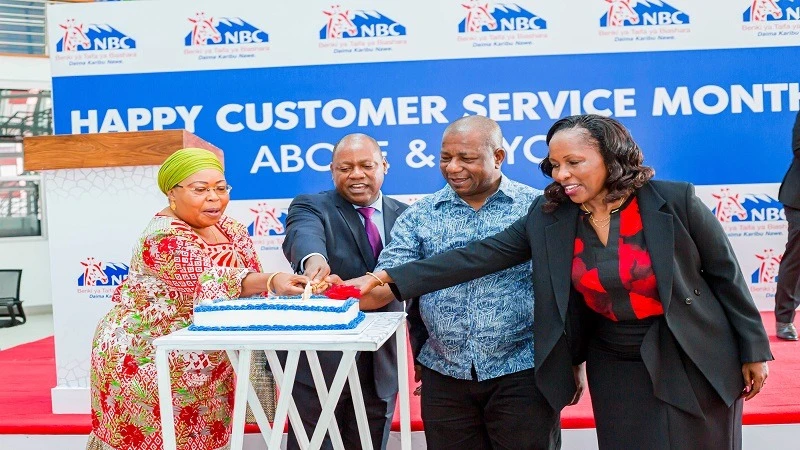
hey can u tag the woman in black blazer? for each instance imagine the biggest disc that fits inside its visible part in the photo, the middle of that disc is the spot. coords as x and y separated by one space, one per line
634 276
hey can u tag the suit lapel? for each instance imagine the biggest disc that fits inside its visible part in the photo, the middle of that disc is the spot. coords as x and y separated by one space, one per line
350 217
560 239
390 213
660 240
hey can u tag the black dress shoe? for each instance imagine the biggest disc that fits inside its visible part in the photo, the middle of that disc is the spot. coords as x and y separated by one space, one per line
786 331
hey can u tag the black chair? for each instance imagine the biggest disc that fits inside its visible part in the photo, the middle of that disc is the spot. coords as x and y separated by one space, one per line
10 304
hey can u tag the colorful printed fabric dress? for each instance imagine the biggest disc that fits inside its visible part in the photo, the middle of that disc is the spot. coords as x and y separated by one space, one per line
172 269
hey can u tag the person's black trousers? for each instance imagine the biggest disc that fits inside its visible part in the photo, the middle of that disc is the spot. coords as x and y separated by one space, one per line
787 296
507 412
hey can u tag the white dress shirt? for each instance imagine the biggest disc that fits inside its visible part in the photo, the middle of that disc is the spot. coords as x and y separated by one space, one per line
377 219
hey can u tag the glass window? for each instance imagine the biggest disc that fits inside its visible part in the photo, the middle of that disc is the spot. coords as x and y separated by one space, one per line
22 27
20 212
22 113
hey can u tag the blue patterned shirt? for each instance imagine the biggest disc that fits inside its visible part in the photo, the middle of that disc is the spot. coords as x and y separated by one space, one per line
488 322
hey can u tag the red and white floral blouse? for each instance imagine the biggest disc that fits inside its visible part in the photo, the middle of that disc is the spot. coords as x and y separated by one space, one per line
172 269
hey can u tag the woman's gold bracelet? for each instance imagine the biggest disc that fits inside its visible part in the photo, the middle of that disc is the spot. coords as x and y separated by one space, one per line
376 277
269 282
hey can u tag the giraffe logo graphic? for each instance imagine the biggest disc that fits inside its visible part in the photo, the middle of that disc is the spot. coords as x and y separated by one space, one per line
343 23
97 273
637 13
482 17
74 37
619 12
767 271
209 30
728 206
268 221
746 207
760 11
80 37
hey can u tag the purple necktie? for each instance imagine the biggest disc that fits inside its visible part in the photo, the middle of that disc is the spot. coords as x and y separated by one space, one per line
373 235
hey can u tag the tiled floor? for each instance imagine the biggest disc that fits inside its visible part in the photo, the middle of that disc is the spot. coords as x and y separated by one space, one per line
38 326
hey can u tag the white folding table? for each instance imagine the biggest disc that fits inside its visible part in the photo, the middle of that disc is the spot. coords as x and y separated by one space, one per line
369 336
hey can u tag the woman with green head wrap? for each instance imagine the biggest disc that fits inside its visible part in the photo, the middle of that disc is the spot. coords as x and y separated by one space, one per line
189 253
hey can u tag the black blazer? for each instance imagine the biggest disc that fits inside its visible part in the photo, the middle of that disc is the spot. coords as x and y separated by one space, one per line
789 194
327 224
707 305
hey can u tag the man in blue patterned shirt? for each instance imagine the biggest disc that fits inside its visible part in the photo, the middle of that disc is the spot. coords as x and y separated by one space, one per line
478 387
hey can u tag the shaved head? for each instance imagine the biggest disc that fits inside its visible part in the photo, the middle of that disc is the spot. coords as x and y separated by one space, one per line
358 139
486 128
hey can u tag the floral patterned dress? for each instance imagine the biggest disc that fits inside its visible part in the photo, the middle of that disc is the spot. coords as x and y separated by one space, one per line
171 270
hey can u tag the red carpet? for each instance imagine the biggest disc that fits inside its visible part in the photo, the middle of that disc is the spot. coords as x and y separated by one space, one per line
27 373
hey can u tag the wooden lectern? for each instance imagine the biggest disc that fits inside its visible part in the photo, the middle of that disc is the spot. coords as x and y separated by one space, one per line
135 148
99 192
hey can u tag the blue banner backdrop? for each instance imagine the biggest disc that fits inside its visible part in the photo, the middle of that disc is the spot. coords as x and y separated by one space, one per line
702 140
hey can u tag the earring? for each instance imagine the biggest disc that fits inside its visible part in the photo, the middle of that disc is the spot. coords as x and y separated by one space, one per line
172 205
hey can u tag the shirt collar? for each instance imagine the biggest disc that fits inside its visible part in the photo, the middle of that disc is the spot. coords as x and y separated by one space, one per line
506 189
377 204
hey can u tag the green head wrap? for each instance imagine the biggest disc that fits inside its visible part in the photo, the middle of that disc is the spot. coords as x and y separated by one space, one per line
184 163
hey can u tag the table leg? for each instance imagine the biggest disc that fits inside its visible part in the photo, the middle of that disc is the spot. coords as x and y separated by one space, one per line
165 399
402 380
322 393
360 409
253 401
240 399
348 361
294 415
284 399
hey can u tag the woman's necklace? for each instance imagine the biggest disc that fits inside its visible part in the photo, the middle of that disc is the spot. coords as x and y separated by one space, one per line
602 223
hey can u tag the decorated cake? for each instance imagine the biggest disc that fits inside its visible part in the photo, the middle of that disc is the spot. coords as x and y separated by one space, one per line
317 313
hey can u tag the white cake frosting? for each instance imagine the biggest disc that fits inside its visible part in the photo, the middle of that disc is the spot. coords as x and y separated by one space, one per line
277 314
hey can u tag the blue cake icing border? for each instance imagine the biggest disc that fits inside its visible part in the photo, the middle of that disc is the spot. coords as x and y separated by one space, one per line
349 326
276 307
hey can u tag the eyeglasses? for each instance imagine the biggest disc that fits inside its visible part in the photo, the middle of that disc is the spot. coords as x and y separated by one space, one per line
220 190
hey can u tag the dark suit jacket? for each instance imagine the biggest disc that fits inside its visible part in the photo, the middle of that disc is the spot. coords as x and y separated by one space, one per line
328 224
789 194
708 308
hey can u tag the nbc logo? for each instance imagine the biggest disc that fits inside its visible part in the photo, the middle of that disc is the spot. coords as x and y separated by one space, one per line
484 17
267 221
345 24
767 271
771 10
730 207
97 273
627 13
207 30
79 37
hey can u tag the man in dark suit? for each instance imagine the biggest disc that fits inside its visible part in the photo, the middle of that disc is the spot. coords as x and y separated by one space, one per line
787 297
342 232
